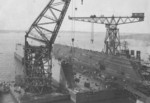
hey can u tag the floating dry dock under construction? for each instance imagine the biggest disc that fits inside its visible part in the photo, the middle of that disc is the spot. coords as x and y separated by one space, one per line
83 89
83 81
62 74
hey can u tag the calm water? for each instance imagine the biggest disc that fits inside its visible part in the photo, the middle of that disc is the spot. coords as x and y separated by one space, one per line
8 65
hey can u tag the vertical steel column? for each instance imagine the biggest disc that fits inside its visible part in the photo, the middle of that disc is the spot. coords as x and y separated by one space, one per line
112 39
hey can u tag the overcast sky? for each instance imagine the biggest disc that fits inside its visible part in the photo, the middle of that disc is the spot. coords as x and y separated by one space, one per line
19 14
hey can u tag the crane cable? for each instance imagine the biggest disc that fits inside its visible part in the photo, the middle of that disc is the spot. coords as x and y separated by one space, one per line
92 35
92 32
74 9
73 23
73 28
92 41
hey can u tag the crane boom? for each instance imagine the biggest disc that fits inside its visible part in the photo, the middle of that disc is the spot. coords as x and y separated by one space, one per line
55 20
37 56
108 20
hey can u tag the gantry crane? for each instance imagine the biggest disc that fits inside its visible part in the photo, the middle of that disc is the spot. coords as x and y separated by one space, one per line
37 55
112 39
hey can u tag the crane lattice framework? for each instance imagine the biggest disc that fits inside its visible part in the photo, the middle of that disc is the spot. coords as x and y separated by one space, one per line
39 40
112 39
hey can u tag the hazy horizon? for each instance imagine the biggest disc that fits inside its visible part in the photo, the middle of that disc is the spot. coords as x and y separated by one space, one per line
20 14
126 33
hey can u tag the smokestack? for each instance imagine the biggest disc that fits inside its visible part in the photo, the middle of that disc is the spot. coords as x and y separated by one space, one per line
127 53
138 55
132 53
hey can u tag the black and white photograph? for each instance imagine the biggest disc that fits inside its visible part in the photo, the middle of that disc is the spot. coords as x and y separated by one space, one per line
74 51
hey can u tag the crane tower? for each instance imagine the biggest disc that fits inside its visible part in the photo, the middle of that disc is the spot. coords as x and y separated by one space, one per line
39 41
112 38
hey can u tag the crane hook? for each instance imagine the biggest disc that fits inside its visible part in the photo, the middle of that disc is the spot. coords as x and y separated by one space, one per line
82 2
92 40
